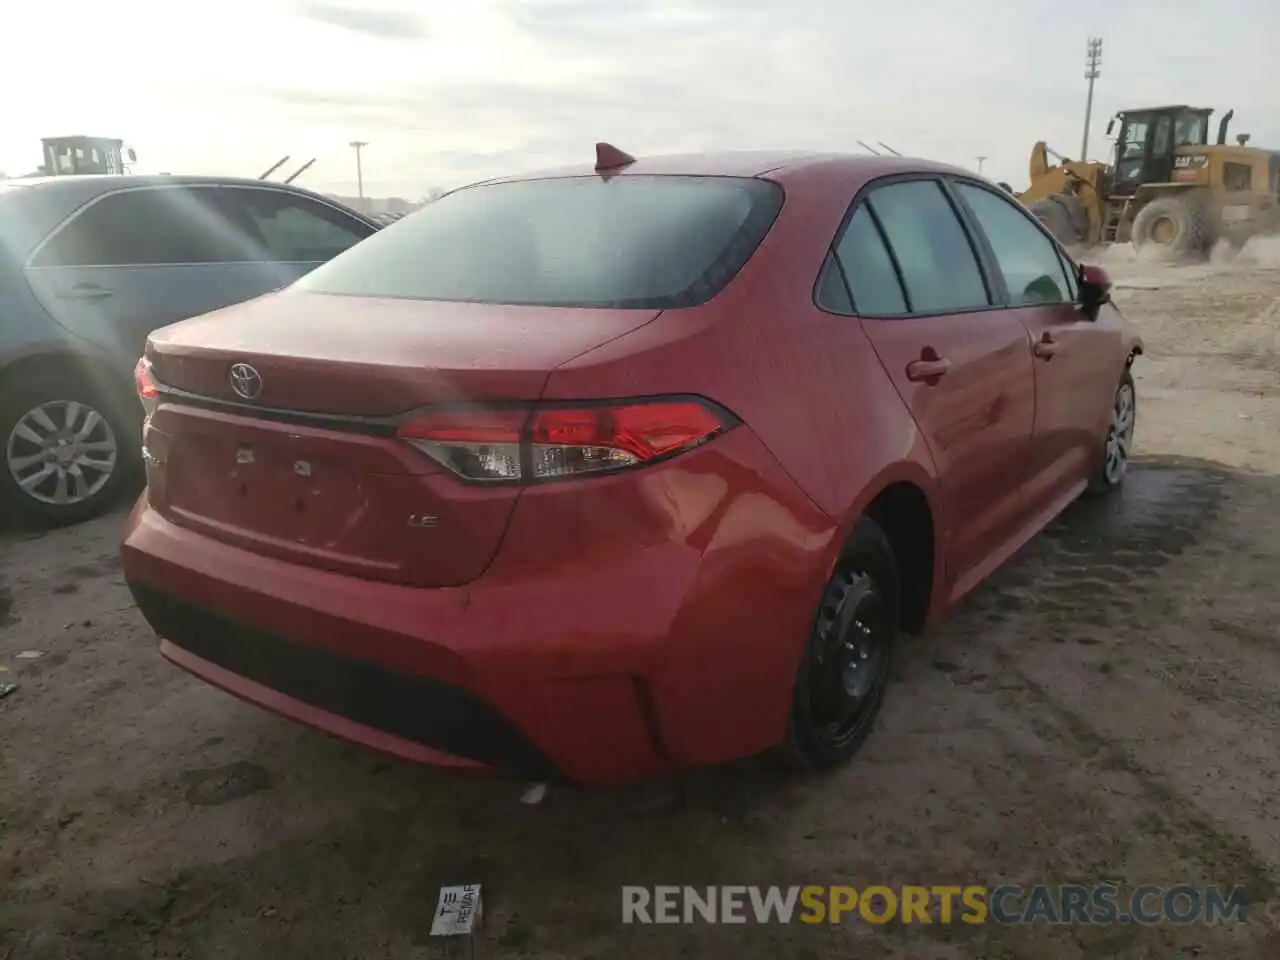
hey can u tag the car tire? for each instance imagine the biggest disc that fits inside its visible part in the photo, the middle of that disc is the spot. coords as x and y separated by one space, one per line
844 669
54 474
1118 444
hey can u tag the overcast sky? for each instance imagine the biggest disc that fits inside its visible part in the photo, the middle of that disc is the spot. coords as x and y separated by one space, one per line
449 92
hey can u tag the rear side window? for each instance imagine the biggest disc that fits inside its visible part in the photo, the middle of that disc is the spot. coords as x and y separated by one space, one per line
629 241
290 228
873 281
831 293
1029 260
938 264
163 225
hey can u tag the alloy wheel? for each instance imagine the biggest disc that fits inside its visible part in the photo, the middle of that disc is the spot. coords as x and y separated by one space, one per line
61 453
1120 435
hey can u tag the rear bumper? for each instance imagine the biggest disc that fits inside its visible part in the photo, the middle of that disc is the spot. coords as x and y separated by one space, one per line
359 700
672 645
402 670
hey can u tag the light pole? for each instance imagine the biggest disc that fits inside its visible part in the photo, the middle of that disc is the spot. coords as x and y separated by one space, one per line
1093 60
980 162
358 145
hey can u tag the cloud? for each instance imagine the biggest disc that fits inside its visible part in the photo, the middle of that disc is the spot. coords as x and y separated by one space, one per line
447 91
665 76
381 24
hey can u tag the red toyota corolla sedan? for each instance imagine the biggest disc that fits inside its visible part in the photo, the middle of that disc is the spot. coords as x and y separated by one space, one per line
603 473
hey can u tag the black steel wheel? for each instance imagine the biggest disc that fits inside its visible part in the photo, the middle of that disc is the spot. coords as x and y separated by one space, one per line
844 671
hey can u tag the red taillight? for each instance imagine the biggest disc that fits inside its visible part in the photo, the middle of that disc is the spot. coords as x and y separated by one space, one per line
146 386
562 441
476 444
570 441
143 380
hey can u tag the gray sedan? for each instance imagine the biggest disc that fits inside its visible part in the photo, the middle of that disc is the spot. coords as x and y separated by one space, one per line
89 265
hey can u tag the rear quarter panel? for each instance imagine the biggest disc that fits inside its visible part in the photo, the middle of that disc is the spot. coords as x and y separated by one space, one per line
826 433
807 383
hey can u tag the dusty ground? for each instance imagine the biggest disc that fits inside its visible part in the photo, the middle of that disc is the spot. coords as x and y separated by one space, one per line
1107 708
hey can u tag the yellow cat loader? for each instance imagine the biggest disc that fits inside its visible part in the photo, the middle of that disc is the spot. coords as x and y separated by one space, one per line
1167 186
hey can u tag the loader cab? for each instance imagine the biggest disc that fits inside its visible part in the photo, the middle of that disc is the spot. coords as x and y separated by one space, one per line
76 156
1147 141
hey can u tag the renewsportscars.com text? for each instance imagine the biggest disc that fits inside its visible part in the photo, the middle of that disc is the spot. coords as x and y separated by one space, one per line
1004 904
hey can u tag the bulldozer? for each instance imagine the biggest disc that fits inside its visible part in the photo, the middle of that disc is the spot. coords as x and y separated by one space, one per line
1166 186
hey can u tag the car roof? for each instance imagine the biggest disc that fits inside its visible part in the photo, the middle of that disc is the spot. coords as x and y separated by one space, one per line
43 202
90 185
776 165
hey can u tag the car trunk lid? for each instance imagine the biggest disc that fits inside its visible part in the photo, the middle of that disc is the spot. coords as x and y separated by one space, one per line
309 468
372 357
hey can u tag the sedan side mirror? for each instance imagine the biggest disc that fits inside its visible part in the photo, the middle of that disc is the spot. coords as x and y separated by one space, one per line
1095 288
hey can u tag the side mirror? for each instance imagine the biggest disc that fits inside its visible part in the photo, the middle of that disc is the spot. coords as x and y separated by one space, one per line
1095 288
133 156
1111 125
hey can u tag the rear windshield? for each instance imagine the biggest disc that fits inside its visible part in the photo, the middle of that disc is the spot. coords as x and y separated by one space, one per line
629 241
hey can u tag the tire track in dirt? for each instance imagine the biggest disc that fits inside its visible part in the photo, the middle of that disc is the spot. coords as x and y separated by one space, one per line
1070 640
1205 763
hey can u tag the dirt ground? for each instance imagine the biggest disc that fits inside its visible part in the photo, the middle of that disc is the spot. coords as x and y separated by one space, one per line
1106 708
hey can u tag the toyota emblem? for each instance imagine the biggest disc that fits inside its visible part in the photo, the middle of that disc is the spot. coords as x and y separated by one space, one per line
245 381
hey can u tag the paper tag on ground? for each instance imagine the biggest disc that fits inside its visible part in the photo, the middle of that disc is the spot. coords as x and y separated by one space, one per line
458 911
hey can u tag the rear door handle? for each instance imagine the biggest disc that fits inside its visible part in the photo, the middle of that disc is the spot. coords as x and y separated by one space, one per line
84 291
1046 348
927 369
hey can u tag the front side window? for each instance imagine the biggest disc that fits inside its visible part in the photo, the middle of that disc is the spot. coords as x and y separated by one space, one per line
629 241
1029 260
157 226
939 268
293 229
